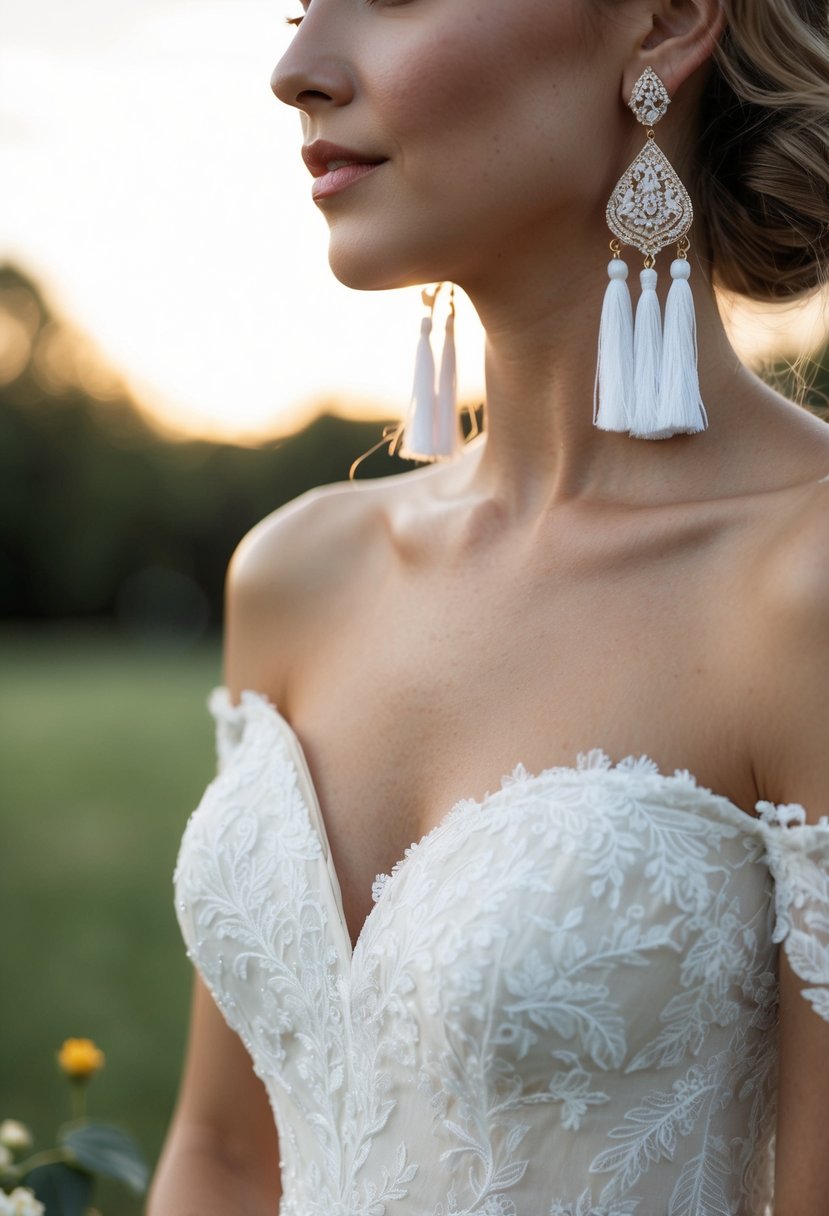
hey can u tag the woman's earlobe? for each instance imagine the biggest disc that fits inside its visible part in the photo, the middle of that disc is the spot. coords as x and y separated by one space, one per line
681 38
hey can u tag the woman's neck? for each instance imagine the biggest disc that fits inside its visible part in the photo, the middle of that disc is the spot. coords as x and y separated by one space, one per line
542 335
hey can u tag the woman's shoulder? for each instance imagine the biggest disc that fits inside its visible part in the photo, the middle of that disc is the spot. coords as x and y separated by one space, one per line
296 535
322 531
778 475
300 567
789 588
794 559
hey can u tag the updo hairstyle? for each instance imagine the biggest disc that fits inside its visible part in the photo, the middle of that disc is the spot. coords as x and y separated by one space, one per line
762 165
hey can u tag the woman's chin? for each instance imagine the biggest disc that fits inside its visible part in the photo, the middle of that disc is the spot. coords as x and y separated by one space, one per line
360 277
364 264
363 273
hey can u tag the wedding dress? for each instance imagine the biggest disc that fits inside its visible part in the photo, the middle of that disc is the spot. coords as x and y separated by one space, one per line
563 1002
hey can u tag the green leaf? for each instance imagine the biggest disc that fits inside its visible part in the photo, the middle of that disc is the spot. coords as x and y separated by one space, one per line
108 1150
63 1190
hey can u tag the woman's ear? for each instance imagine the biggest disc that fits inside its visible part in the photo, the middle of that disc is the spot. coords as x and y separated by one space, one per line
679 36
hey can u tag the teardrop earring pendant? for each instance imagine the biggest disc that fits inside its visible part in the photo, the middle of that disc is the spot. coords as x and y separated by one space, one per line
646 376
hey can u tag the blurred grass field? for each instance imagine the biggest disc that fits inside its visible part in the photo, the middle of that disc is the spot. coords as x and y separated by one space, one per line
105 748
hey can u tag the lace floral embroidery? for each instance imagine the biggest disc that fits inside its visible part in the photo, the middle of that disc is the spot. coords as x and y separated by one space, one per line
798 857
563 1001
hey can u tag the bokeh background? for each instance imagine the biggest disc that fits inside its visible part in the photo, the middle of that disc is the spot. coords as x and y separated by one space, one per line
176 361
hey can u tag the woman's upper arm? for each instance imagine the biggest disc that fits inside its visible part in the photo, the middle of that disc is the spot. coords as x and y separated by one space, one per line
794 668
801 1158
798 854
223 1109
221 1098
222 1113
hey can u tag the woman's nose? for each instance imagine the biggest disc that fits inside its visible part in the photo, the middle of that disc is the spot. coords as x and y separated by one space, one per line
310 75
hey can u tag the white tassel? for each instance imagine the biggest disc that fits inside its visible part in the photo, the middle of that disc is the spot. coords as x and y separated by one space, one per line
647 359
419 430
448 432
613 387
681 409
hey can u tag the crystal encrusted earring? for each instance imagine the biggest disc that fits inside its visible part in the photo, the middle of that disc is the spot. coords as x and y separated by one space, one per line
646 376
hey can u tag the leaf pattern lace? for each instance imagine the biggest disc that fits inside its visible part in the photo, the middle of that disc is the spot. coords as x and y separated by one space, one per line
563 1001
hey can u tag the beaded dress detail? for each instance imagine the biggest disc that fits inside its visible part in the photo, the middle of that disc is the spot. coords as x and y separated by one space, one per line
563 1002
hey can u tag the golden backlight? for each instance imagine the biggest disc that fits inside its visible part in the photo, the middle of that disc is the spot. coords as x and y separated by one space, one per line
153 186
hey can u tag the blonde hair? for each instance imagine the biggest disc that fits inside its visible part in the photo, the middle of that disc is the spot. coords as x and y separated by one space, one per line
762 165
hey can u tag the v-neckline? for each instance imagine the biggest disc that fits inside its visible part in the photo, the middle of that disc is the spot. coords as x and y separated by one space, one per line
312 802
641 766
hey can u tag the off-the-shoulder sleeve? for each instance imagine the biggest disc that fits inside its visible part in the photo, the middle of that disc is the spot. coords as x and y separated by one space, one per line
798 857
230 725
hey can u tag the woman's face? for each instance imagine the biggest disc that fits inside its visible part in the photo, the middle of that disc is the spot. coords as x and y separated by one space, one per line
497 124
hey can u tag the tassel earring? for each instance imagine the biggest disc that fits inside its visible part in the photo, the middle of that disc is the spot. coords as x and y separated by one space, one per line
448 421
613 390
679 384
650 209
644 418
432 428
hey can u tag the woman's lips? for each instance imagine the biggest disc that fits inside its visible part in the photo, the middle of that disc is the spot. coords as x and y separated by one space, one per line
336 180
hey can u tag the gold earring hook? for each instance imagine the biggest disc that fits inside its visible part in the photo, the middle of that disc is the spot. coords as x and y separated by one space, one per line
429 296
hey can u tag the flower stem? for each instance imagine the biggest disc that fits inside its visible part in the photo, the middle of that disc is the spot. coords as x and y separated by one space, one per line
47 1157
79 1098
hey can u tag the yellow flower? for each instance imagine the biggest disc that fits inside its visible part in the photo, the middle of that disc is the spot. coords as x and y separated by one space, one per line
80 1059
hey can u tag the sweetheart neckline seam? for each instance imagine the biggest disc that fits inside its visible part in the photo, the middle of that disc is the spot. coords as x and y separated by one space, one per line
642 768
221 704
596 762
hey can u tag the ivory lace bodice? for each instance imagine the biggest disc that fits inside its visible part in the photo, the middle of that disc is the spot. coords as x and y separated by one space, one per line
563 1002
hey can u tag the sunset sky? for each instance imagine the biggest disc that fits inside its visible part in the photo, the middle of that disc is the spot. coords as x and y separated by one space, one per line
153 185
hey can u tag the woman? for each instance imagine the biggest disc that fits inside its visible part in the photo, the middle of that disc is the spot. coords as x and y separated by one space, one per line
568 997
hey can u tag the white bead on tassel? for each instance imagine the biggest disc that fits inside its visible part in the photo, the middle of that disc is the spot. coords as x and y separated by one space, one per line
613 387
418 441
448 431
681 409
647 360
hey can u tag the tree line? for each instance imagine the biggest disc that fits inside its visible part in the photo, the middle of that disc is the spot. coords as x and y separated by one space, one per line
101 517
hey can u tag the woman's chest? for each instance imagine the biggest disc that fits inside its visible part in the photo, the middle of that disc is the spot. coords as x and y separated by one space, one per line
430 693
